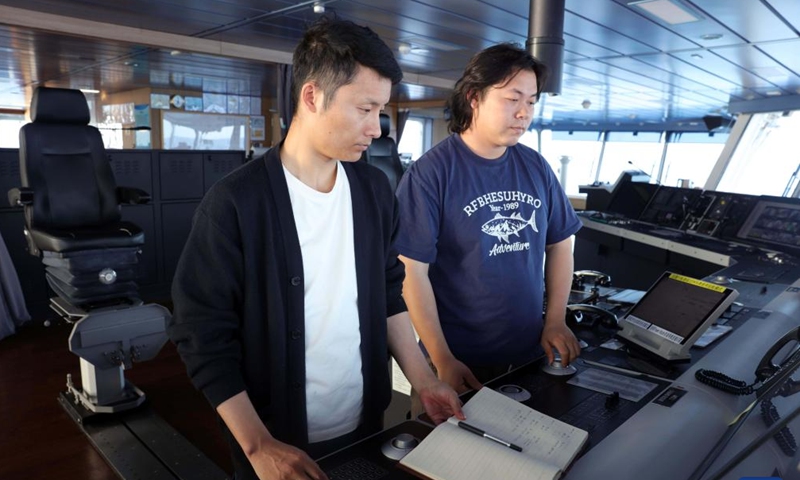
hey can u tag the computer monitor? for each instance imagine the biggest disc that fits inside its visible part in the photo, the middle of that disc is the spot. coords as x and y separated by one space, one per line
673 314
630 198
669 206
774 220
599 195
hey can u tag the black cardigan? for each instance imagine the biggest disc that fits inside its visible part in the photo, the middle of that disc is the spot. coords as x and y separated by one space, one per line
238 319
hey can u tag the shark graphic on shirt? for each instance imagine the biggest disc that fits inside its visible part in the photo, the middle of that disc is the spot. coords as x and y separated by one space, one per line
503 227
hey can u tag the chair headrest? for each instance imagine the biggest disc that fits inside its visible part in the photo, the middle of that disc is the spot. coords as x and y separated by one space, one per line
386 124
59 105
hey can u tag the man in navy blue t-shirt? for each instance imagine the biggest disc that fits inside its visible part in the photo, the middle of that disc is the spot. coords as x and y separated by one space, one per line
479 212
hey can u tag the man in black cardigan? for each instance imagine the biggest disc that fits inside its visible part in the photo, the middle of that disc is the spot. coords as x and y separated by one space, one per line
273 300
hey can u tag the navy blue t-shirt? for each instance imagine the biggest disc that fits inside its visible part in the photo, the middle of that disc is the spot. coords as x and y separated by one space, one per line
482 226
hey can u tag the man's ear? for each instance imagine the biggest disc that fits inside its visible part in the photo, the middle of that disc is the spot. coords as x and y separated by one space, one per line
472 98
311 96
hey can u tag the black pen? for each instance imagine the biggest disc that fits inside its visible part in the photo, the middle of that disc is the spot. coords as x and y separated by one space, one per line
477 431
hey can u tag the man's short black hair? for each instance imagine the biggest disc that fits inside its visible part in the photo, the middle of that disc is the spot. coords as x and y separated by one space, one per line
331 51
492 66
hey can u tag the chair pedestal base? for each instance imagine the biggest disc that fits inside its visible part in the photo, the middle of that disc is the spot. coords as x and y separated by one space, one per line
104 391
109 340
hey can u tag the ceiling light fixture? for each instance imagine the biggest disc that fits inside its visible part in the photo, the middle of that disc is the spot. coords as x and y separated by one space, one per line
431 44
319 7
405 49
89 90
666 10
711 36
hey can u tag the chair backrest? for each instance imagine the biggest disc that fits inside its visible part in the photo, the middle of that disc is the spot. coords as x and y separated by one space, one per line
383 154
63 160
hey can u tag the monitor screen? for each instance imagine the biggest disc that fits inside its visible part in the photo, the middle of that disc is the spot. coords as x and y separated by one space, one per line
774 220
630 198
673 314
669 206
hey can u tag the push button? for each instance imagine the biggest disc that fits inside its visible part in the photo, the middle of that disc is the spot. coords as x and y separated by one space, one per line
296 281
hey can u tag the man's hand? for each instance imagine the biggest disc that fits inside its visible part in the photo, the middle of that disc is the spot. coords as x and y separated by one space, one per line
279 461
557 335
440 401
458 376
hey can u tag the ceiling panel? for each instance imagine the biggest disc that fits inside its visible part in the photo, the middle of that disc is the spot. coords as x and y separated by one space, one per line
432 22
505 17
759 24
587 49
633 68
754 60
785 52
711 62
696 30
687 70
630 23
183 21
601 35
789 10
636 65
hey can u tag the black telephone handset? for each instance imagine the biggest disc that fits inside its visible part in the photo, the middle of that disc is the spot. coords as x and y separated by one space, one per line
772 379
576 317
580 278
767 370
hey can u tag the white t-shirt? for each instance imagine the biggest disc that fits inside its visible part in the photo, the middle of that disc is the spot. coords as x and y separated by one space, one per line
334 385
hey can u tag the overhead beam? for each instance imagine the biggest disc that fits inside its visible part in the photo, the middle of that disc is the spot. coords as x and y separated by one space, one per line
421 104
117 33
769 104
427 80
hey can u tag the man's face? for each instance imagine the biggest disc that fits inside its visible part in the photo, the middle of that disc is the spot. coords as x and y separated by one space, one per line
344 129
504 113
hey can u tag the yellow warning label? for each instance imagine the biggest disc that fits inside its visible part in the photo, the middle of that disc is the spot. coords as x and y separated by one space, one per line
699 283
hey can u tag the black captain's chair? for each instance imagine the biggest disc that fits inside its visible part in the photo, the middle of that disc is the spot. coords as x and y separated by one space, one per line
71 205
382 153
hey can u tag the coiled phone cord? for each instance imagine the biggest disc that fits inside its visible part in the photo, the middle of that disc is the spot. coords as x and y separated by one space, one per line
723 382
784 437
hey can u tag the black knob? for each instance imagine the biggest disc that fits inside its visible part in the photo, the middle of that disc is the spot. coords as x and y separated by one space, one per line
612 401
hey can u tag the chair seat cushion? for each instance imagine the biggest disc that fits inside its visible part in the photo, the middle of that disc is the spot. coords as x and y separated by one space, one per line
114 235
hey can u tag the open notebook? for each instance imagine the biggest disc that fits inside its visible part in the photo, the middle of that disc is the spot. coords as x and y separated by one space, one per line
453 453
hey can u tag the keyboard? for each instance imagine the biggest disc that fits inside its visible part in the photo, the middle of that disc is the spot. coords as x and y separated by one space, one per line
358 469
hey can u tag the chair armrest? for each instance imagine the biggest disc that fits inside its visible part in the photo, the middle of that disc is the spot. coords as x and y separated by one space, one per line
18 197
132 196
